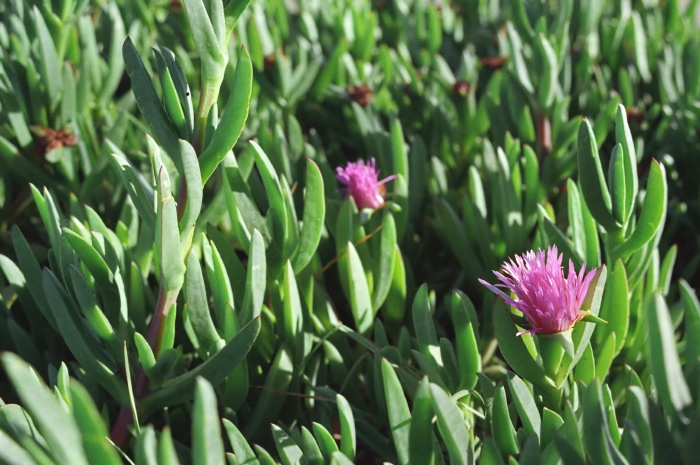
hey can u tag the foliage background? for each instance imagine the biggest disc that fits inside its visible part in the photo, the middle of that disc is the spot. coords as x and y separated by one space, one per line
320 334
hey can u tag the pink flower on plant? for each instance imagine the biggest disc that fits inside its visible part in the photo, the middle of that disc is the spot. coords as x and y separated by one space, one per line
550 302
362 183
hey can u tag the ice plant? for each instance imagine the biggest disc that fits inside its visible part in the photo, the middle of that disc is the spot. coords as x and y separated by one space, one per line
550 302
362 183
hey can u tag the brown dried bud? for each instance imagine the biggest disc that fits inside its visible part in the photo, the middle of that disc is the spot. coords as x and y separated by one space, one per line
175 6
362 95
461 88
50 139
269 61
493 63
633 114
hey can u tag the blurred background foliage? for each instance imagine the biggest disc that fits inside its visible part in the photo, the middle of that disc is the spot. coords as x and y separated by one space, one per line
360 336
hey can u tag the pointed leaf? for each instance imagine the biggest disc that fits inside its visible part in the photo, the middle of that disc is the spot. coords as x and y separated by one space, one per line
314 216
207 446
232 121
215 369
397 408
149 103
592 180
53 422
653 213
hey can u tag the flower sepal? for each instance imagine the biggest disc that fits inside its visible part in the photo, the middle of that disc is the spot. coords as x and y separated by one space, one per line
366 214
591 318
564 339
393 206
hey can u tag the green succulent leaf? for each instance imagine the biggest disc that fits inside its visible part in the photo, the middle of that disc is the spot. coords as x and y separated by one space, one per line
665 364
233 119
397 408
451 424
421 426
348 435
592 181
313 220
207 446
55 424
653 213
214 369
149 103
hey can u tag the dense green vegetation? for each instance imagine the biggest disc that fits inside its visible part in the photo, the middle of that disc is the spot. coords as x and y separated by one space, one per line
186 277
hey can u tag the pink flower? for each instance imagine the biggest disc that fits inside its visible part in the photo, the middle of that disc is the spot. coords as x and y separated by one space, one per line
550 302
362 183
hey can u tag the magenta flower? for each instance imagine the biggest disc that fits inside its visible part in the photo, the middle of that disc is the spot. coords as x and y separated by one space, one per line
362 183
550 302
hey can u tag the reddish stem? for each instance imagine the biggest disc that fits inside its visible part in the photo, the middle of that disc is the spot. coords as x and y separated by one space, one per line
120 433
544 135
155 330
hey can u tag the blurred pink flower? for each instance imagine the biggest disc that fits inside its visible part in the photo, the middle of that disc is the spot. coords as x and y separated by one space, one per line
362 183
550 302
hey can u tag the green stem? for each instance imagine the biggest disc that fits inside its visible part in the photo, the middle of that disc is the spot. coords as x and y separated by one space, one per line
207 98
551 397
617 237
613 239
552 354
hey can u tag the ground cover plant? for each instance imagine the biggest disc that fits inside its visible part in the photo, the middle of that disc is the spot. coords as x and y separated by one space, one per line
391 231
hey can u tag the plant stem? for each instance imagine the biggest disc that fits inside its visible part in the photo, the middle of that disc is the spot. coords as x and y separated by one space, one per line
207 99
155 331
544 135
120 432
551 397
612 240
552 354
